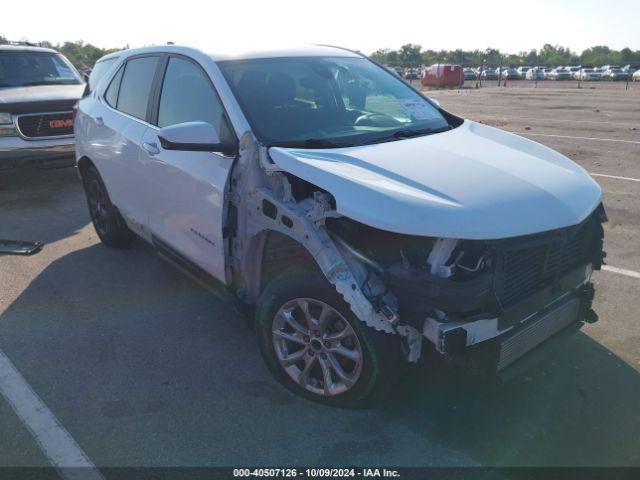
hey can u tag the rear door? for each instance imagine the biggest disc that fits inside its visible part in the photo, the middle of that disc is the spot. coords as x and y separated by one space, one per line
187 188
120 122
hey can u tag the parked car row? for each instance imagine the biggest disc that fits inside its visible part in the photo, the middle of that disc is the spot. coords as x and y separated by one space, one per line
575 72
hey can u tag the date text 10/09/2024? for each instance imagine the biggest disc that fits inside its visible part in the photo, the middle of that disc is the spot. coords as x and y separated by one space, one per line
316 472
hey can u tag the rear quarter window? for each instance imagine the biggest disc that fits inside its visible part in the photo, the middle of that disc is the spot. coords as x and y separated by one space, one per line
111 95
99 70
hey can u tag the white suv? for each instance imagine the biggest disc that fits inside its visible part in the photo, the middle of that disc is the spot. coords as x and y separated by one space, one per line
361 221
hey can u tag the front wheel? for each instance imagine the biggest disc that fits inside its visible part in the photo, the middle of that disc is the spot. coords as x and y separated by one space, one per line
316 347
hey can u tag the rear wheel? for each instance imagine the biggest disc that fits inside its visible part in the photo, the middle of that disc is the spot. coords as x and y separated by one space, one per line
316 347
107 221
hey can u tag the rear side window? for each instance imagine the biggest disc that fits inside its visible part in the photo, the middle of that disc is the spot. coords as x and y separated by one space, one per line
99 69
135 87
187 96
111 96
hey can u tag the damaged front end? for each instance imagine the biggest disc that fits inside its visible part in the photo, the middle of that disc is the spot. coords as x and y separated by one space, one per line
457 294
461 293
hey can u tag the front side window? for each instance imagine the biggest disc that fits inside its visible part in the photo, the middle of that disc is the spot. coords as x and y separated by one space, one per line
135 87
187 96
28 68
328 101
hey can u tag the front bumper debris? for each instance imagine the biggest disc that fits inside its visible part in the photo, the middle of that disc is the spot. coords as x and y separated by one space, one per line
481 342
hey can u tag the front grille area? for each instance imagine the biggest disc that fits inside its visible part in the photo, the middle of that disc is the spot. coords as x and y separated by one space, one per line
46 124
536 332
528 264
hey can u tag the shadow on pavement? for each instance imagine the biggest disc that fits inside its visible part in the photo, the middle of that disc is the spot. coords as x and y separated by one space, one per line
145 368
578 407
41 205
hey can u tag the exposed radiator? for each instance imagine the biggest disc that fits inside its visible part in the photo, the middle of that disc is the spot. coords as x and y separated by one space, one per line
537 332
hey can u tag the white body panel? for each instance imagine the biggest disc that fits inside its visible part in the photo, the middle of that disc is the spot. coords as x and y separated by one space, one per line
185 194
473 182
115 150
176 196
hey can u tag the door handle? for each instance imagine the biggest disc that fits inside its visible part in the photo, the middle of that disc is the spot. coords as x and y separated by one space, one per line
151 148
99 121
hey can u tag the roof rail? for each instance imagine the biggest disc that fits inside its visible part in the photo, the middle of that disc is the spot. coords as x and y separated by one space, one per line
23 43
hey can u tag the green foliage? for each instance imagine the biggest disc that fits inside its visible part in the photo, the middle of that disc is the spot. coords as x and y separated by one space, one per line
549 55
82 55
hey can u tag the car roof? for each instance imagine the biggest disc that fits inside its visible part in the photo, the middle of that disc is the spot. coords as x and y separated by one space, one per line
110 55
25 48
304 51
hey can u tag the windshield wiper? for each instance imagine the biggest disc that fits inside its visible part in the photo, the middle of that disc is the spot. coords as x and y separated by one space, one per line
407 133
312 143
45 82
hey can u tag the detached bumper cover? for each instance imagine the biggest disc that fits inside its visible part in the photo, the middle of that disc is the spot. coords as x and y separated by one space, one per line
17 152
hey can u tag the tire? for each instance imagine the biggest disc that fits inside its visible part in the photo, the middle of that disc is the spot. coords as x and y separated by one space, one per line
370 361
107 221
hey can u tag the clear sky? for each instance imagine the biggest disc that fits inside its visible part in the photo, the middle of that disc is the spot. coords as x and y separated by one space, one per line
229 25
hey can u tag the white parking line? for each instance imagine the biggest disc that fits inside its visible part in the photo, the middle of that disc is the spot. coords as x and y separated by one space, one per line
615 177
534 119
597 139
54 440
621 271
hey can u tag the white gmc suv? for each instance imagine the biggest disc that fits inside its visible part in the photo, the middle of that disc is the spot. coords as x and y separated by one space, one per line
361 221
38 89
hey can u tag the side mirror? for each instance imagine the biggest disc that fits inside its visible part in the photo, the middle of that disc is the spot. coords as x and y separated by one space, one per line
194 137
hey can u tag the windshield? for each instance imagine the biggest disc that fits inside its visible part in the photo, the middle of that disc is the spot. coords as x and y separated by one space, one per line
328 102
24 68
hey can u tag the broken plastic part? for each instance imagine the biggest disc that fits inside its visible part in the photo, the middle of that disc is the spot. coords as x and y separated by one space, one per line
439 256
19 247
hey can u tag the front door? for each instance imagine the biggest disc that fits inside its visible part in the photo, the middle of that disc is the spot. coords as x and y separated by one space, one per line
186 189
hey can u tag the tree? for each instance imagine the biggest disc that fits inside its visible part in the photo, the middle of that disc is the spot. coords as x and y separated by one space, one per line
409 54
80 54
380 55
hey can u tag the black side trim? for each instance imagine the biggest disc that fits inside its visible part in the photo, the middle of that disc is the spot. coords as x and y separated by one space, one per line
203 277
227 148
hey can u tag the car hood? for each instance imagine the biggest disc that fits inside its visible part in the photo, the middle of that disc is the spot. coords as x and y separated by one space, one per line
472 182
39 98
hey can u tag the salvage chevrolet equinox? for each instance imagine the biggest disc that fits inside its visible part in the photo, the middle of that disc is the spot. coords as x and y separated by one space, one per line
362 223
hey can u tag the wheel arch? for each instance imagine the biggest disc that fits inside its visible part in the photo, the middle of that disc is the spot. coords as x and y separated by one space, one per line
84 163
271 252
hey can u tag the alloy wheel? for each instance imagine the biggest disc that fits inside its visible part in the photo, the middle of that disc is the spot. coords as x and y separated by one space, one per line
317 347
